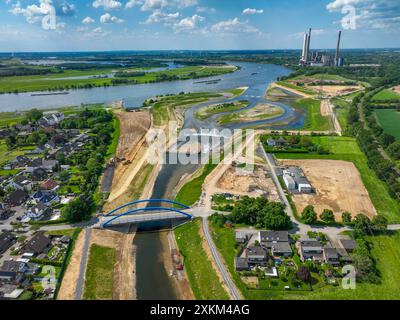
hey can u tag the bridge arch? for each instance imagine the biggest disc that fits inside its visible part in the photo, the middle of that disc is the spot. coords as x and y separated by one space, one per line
146 201
131 212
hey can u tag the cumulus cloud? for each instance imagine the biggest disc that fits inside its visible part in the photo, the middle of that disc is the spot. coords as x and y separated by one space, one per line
250 11
107 4
161 17
87 20
153 5
108 18
205 10
233 26
369 14
189 24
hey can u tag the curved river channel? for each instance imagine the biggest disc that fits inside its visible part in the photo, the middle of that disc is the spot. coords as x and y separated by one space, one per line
152 280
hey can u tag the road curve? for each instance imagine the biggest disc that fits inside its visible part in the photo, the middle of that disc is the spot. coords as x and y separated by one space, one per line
233 291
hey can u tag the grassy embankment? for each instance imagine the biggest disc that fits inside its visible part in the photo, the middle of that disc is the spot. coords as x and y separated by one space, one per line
61 81
112 148
347 149
100 273
314 120
202 277
389 120
212 110
190 193
385 250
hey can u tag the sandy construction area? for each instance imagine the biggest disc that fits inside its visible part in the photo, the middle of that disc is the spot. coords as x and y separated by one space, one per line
334 90
242 182
338 187
396 89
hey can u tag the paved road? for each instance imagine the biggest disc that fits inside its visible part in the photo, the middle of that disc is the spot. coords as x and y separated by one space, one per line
82 268
233 291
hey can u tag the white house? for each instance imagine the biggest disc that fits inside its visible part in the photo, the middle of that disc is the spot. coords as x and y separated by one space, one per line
289 182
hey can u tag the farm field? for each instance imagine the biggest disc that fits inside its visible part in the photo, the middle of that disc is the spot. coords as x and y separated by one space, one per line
338 187
347 149
202 277
389 120
388 94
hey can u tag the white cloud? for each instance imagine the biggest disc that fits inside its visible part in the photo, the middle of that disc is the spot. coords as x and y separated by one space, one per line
87 20
188 24
108 18
315 32
107 4
153 5
234 26
250 11
338 4
205 10
158 16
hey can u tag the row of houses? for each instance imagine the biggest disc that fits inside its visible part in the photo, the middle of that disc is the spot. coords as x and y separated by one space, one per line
259 250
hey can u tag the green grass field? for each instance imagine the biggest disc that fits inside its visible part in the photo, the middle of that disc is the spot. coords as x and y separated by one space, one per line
7 155
314 120
209 111
389 120
292 86
386 95
191 191
202 277
342 110
100 273
112 148
347 149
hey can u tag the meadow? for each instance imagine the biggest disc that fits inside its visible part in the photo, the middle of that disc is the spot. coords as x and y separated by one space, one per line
314 120
389 120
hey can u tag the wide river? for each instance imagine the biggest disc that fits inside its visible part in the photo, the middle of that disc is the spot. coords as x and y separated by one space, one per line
255 76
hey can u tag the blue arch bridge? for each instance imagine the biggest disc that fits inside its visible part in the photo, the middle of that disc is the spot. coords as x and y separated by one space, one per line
155 211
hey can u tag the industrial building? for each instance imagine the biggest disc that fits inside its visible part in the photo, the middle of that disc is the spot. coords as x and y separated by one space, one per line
320 59
295 180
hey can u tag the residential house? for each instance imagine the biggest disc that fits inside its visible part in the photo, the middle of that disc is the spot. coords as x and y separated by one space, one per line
26 268
311 250
348 245
47 198
17 198
37 245
331 256
7 240
49 186
256 256
38 150
39 174
37 212
6 213
241 264
51 119
22 183
17 162
49 165
276 241
271 142
34 164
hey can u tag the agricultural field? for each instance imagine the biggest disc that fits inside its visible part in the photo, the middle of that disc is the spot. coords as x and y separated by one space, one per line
202 277
389 120
388 94
347 149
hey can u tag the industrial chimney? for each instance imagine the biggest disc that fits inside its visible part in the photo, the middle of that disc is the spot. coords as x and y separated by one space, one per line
337 55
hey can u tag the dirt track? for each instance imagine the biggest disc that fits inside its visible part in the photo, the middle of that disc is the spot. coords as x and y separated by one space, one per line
338 187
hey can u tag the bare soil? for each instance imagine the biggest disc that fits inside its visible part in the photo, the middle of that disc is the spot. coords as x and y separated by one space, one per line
338 187
396 89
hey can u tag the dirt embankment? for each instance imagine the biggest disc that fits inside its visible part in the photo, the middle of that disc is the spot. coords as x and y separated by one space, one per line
68 285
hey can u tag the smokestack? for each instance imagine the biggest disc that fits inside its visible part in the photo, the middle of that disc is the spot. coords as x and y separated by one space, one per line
308 44
304 54
338 49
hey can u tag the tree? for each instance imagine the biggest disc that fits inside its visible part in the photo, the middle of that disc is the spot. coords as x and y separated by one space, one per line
362 225
380 223
34 115
346 217
78 210
304 274
309 215
327 216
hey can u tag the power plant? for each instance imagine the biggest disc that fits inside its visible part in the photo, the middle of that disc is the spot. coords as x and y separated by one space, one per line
320 59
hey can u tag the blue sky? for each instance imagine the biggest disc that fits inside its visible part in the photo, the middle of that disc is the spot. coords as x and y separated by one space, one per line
195 24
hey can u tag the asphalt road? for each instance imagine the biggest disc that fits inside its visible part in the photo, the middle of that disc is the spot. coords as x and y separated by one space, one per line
233 291
82 268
